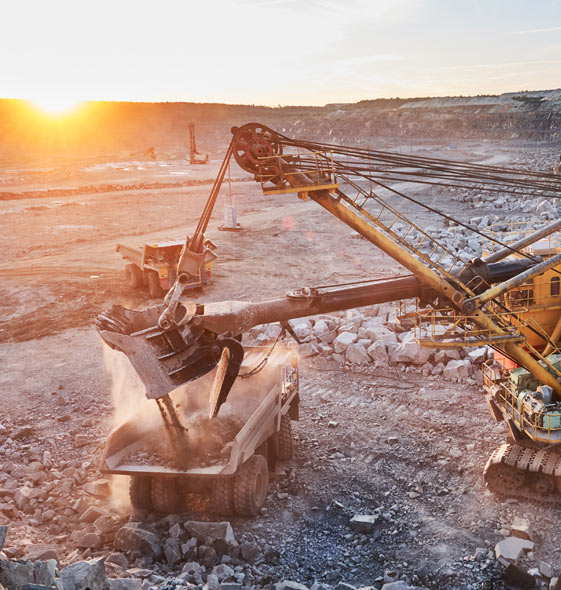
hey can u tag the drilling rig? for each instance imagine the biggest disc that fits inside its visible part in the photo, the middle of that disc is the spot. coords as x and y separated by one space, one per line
509 299
195 157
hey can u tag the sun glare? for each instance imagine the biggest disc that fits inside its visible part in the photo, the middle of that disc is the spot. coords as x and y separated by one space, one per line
56 105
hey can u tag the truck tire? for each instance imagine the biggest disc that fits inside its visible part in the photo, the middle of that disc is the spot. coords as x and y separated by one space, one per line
196 502
250 486
153 282
133 276
285 449
166 495
222 496
140 493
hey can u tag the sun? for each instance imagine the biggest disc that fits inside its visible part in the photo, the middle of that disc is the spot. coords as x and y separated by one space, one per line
56 105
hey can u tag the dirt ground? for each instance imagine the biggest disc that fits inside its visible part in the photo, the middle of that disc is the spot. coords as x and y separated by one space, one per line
411 446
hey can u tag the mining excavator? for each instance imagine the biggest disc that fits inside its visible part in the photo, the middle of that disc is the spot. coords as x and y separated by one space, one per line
508 299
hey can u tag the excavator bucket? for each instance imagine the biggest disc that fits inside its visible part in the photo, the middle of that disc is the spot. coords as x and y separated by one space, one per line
167 359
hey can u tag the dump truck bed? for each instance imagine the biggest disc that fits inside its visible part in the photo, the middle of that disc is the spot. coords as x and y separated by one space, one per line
278 382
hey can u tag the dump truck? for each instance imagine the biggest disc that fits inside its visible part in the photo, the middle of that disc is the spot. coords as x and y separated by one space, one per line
222 464
187 262
459 302
154 265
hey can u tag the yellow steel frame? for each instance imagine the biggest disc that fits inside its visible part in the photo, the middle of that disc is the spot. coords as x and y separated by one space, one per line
300 190
324 165
481 318
469 334
485 319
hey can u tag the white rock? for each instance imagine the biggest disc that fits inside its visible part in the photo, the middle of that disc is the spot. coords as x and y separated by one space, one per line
510 549
477 355
438 369
362 333
304 322
457 369
375 329
448 354
356 353
399 585
22 497
272 331
546 569
388 339
406 337
308 349
545 207
324 332
411 352
378 353
222 571
353 314
521 527
343 341
302 330
391 348
290 585
84 574
474 245
363 523
125 584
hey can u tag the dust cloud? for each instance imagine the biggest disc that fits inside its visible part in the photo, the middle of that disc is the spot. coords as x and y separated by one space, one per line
127 390
129 403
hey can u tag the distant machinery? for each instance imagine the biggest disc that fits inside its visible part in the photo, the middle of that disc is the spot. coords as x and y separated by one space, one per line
194 156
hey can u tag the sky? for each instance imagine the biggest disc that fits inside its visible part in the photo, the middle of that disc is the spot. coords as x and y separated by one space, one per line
276 52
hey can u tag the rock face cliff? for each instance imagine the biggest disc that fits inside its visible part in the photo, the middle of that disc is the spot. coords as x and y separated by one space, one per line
530 115
108 126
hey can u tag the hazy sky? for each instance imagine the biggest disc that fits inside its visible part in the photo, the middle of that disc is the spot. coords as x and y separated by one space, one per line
276 51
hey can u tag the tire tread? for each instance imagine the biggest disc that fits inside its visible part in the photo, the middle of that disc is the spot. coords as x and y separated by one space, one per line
222 496
140 493
285 439
166 497
245 501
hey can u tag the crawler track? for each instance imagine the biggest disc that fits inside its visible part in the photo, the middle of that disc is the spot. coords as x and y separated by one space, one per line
525 473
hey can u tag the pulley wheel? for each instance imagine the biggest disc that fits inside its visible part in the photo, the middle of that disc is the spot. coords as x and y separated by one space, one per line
252 143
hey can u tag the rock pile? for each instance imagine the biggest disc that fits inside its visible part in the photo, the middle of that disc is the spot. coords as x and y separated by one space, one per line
173 554
361 337
543 208
516 554
45 575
